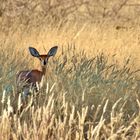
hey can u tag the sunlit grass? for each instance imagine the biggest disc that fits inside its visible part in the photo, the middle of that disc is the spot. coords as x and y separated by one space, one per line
91 89
83 96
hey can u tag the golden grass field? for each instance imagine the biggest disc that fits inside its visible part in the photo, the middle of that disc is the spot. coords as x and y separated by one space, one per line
92 88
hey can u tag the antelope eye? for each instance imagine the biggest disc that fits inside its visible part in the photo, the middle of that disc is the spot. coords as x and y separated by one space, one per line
46 59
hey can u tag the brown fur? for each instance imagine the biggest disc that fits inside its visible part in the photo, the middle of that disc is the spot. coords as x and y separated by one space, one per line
32 76
29 78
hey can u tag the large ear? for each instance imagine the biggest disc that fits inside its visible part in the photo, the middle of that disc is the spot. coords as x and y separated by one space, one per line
52 51
34 52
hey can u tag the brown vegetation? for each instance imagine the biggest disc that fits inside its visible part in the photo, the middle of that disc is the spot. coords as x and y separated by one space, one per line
91 90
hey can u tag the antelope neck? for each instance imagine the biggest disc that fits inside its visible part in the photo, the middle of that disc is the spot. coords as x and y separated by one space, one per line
43 69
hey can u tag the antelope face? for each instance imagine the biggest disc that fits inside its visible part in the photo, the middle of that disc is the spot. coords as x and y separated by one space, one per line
43 58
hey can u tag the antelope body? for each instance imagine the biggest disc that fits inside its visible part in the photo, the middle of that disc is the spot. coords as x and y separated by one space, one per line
30 78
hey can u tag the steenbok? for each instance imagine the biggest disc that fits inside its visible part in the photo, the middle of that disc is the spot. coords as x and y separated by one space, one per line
30 79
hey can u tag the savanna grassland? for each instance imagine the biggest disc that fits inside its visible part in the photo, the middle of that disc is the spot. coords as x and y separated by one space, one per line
92 88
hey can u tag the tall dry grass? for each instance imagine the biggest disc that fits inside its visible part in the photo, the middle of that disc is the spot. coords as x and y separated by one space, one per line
84 97
91 90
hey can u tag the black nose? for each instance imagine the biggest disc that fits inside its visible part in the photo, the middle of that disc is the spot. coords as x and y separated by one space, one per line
44 62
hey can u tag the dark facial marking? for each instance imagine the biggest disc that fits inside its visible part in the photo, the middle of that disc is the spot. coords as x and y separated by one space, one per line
44 62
